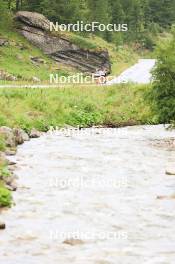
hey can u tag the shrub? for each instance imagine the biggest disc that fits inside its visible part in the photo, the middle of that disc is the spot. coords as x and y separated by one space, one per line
163 91
5 197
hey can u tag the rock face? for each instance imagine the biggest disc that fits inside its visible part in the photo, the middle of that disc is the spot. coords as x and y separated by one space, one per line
35 27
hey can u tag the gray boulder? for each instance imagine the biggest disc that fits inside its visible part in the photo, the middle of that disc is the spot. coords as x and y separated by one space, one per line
8 135
35 27
35 20
20 136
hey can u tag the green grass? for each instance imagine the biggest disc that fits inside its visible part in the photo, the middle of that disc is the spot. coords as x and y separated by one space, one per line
77 106
5 195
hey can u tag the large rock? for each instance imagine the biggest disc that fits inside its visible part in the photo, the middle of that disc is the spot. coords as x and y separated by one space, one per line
35 27
8 135
35 20
20 136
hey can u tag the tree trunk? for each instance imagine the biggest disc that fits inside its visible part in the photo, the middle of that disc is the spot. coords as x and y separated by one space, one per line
17 4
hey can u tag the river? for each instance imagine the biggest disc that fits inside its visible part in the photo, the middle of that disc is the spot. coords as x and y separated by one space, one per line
90 197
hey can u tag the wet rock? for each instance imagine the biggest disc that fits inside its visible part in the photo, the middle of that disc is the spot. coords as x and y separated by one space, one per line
2 225
12 187
73 242
35 133
166 197
10 152
20 136
170 170
8 135
11 162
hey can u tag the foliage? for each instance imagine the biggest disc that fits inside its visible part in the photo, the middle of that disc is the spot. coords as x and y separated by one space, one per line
138 14
5 197
163 91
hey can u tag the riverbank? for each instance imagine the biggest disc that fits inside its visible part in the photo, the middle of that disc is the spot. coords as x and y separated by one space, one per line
9 140
114 106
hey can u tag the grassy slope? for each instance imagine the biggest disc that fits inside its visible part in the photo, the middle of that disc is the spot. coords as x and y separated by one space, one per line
15 57
84 106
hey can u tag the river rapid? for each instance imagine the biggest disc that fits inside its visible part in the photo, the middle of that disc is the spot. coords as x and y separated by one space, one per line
91 197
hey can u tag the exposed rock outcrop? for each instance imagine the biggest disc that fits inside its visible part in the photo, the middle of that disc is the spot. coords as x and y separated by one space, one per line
35 27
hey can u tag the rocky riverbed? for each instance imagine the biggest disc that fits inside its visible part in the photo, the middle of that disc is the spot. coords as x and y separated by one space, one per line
10 139
95 196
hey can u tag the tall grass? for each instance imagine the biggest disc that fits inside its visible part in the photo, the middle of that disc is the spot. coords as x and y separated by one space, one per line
77 106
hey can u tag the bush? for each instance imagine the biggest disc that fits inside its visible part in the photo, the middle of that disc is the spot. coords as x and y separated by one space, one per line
5 197
163 91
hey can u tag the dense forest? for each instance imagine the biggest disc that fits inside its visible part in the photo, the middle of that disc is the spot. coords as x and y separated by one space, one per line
145 18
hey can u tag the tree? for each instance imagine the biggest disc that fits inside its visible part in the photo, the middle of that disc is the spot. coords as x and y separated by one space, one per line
100 11
163 92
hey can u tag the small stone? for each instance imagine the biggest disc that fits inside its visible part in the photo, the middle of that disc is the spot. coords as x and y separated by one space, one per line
170 171
73 242
9 152
12 187
164 197
2 225
38 60
11 162
35 133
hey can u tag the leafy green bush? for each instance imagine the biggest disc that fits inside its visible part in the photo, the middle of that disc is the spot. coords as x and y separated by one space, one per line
4 172
5 197
163 91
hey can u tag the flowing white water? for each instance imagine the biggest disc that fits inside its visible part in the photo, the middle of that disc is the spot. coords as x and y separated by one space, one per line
139 73
108 196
